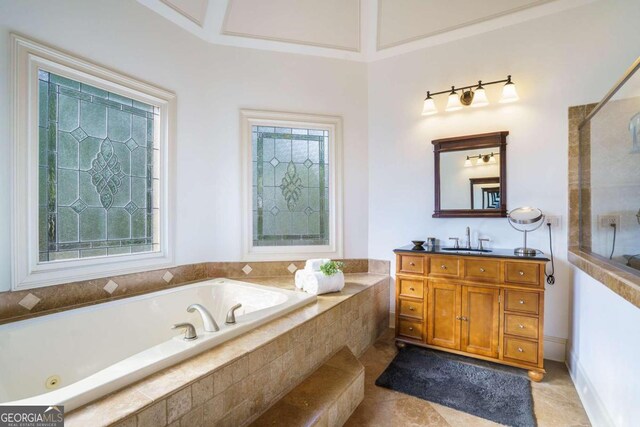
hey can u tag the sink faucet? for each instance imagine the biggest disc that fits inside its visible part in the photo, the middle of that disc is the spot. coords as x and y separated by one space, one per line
208 321
468 238
231 315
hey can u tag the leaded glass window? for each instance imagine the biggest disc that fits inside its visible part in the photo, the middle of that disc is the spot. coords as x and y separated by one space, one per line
290 186
97 172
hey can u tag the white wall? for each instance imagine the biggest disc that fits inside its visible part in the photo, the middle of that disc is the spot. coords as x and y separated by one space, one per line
570 58
212 83
603 353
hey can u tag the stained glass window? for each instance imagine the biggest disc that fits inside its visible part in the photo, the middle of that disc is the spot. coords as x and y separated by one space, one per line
97 172
290 186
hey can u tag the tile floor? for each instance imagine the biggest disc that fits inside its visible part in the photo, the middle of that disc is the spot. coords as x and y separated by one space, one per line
556 401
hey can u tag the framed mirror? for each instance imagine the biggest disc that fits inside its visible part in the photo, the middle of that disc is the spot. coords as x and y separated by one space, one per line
471 176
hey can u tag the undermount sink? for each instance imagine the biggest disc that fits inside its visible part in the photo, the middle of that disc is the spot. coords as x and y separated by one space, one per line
466 250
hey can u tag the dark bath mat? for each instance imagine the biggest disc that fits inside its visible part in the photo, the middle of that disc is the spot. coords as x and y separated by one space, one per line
497 393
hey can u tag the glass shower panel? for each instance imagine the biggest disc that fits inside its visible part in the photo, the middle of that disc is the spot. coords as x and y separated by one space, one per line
610 178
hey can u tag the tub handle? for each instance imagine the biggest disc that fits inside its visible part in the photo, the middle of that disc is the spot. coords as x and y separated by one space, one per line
231 315
190 331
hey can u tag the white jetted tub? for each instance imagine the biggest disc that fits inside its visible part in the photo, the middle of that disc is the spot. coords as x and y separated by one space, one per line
77 356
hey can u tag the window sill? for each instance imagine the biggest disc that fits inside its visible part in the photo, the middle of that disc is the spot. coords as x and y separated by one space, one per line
623 283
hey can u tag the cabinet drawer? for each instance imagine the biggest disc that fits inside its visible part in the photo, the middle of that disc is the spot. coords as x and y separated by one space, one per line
411 264
525 351
481 269
410 329
522 273
411 308
525 302
444 266
523 326
411 288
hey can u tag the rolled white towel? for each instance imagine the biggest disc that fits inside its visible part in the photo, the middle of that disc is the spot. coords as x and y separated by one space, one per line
317 283
300 278
314 264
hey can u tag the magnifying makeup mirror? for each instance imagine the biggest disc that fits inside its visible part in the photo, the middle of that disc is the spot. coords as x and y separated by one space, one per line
526 220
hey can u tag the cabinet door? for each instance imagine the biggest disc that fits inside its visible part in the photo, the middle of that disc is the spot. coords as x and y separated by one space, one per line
444 312
480 320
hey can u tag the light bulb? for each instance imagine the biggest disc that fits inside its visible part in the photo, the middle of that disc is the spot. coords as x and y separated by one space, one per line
509 92
480 97
480 161
429 106
467 163
453 104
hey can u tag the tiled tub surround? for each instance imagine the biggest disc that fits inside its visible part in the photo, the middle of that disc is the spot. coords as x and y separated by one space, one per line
620 281
236 381
21 305
99 349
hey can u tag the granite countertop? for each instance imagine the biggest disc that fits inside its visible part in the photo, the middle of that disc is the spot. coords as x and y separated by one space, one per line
495 253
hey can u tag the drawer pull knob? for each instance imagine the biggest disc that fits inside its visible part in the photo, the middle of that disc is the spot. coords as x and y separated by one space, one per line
412 263
521 273
463 318
521 326
411 328
444 267
412 289
482 270
458 318
412 308
521 301
520 350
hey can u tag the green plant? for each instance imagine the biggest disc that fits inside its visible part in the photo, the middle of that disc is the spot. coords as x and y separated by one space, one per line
332 267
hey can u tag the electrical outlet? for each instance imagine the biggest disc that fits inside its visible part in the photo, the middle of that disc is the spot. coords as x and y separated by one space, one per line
555 221
605 221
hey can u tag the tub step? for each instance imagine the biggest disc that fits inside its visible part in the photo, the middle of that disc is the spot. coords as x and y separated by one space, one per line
326 398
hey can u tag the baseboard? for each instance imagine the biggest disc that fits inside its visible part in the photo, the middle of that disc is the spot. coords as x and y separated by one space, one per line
591 401
555 348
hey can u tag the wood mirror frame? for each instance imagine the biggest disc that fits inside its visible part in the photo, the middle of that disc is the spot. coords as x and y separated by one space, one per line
461 143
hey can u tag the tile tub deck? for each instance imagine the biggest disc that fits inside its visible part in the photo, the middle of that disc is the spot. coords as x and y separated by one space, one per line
232 384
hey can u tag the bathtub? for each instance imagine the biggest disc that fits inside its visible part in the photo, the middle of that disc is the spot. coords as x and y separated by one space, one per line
74 357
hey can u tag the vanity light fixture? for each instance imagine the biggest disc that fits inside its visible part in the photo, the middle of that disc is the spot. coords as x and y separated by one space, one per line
453 103
429 107
482 159
472 95
509 92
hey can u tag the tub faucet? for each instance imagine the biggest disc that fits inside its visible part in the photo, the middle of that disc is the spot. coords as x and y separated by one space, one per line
208 321
189 331
231 315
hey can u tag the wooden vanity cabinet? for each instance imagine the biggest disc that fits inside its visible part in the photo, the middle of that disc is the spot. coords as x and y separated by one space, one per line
488 308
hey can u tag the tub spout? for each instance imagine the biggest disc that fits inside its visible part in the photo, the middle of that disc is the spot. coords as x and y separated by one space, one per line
190 331
231 315
208 321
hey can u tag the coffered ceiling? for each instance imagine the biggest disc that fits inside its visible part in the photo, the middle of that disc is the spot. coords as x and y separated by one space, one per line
362 30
